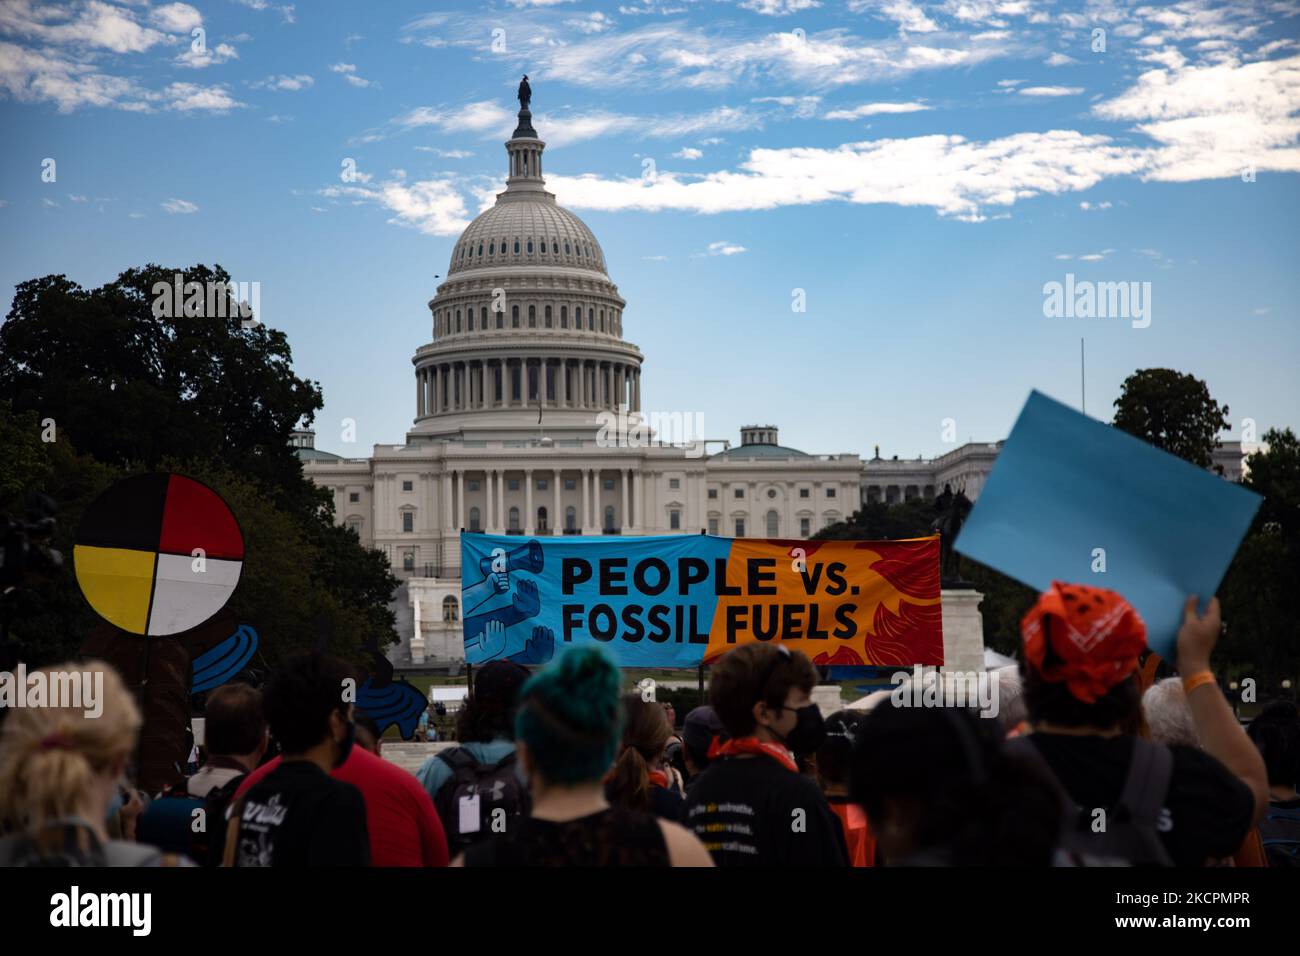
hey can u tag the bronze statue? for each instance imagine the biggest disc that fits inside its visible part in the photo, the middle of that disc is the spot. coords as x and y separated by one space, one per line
525 93
951 511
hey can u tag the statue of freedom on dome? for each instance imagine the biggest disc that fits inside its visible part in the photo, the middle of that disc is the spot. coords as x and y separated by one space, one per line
525 93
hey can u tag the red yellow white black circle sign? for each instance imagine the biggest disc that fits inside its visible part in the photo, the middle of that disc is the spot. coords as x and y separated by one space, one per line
158 554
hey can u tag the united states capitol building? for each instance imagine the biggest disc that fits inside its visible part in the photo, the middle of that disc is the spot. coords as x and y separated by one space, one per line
528 421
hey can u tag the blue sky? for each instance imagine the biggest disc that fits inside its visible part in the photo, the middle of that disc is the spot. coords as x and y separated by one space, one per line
918 169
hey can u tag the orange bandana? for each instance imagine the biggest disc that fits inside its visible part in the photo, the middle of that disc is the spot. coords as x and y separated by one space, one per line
752 745
1094 636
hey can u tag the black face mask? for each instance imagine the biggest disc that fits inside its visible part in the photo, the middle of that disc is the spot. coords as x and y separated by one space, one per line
345 745
809 731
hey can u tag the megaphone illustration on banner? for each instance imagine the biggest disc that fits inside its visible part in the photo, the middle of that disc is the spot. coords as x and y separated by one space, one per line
526 557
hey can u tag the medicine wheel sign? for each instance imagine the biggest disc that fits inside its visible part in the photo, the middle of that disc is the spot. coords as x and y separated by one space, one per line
158 554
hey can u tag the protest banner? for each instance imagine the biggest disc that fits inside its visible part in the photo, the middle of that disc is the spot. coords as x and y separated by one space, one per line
684 600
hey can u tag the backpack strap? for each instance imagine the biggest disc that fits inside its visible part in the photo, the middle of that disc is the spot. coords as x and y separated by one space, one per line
1149 771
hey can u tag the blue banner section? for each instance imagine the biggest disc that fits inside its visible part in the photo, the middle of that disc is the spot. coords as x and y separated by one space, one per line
525 599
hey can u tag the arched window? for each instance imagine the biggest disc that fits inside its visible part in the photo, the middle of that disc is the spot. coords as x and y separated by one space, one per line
532 316
567 250
773 524
450 610
480 248
548 316
501 318
541 518
530 247
474 519
516 247
602 320
492 248
514 316
591 320
514 519
543 249
570 519
564 316
483 318
609 517
458 320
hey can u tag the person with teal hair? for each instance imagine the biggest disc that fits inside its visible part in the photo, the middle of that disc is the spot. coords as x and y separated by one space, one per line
568 728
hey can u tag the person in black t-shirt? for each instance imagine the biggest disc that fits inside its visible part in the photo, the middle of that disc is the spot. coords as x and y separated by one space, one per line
298 815
1081 647
752 807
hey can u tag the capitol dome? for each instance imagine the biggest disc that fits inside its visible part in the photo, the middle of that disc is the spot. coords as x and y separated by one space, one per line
527 325
534 231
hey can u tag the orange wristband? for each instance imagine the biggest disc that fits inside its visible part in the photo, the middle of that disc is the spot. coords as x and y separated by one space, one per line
1193 681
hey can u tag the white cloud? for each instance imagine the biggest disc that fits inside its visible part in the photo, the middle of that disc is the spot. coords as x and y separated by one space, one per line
778 8
1060 59
1050 90
1214 121
180 206
955 176
1094 206
92 24
176 17
595 22
908 15
292 84
688 152
724 249
433 206
208 56
349 71
445 153
873 109
1096 256
489 119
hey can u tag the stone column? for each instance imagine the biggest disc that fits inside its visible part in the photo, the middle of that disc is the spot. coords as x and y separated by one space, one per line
586 512
417 641
460 496
562 386
446 499
557 518
622 515
489 516
529 525
640 499
419 392
501 501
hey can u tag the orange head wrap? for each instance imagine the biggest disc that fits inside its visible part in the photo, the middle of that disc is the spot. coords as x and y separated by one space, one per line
1089 638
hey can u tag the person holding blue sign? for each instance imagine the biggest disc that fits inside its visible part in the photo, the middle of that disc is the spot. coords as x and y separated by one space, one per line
1133 800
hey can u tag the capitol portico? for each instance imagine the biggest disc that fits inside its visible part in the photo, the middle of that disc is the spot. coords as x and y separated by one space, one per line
527 360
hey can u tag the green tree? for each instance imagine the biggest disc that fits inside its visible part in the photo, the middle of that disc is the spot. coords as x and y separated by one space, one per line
1172 411
126 385
200 394
1261 591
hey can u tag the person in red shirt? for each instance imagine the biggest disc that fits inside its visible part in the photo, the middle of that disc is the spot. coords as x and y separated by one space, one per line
404 829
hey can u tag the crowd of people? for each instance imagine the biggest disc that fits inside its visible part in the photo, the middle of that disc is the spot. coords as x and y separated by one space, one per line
1083 765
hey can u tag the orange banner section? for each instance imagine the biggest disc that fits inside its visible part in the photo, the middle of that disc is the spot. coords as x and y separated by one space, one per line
873 603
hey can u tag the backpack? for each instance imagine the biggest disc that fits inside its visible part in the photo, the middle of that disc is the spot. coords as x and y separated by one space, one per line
1280 831
168 823
494 786
1132 836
